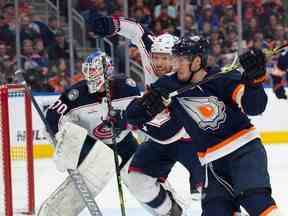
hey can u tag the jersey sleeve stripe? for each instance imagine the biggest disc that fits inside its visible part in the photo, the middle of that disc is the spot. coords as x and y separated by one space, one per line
238 93
269 210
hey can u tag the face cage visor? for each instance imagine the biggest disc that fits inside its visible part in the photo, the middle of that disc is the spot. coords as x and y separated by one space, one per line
93 74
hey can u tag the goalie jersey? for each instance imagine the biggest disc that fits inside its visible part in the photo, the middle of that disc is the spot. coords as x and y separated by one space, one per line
88 110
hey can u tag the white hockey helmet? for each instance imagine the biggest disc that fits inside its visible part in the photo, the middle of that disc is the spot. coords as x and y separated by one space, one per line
163 44
93 70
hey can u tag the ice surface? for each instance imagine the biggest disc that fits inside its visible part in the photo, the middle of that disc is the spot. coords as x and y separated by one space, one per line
47 179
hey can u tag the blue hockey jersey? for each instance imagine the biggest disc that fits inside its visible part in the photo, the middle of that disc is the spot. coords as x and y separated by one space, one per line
213 114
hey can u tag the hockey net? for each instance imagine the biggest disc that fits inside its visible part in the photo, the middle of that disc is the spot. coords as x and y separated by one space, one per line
16 166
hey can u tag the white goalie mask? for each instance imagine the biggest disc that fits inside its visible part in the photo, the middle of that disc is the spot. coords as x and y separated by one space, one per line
163 44
93 70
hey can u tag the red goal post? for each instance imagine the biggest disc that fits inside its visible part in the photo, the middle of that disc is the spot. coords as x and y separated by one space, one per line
16 167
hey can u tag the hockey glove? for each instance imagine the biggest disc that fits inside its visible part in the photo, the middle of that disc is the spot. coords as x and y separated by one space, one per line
104 130
280 93
278 87
254 65
117 118
106 26
155 100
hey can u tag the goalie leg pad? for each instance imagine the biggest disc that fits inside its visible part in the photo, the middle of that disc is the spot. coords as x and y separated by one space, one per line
70 139
97 169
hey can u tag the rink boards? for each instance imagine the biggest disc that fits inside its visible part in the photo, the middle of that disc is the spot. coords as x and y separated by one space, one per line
272 124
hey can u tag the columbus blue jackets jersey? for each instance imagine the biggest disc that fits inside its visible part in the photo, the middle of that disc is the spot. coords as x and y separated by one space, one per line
213 114
77 105
163 128
143 40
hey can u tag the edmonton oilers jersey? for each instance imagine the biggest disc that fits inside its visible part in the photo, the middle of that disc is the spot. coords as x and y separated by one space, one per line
211 114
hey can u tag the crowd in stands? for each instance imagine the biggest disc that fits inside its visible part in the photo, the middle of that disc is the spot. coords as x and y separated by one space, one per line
45 50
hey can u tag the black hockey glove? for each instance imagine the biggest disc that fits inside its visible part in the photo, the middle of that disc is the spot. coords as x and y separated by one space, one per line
106 25
154 101
117 118
280 93
278 87
254 65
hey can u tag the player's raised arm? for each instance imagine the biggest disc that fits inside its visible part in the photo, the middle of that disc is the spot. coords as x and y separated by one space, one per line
279 74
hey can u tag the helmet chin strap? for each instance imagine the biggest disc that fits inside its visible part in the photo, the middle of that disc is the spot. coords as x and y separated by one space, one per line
193 72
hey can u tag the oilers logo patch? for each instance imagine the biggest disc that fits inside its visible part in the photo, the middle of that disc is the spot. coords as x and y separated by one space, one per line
131 82
73 94
207 112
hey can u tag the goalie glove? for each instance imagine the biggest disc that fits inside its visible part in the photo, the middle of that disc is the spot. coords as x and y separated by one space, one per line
70 139
106 26
254 65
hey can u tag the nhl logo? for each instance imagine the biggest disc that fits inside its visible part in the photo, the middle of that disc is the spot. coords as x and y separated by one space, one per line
73 94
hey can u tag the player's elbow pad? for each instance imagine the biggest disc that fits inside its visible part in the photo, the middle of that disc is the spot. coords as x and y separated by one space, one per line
254 100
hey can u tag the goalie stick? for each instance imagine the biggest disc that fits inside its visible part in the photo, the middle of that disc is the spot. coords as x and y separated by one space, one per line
115 149
224 71
75 175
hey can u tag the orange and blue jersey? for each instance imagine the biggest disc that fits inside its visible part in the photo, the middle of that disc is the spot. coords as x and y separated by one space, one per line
214 114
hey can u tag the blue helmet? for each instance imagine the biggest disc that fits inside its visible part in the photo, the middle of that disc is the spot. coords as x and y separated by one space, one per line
93 70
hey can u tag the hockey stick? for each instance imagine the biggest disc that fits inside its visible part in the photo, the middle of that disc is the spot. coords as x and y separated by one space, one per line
115 149
75 175
224 71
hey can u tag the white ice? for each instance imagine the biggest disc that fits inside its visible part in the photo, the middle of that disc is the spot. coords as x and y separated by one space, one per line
47 179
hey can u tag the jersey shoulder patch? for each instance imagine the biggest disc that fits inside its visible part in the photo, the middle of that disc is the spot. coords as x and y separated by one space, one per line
131 82
73 94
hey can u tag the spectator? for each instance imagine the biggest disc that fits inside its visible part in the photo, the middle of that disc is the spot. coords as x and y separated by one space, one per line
166 7
231 43
48 32
207 30
280 34
7 64
269 28
250 29
31 59
217 54
207 15
6 34
37 81
141 13
60 48
62 80
41 55
117 8
216 37
97 9
27 32
229 15
189 25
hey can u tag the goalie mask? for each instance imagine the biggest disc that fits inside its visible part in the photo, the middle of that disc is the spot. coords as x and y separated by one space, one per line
93 70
